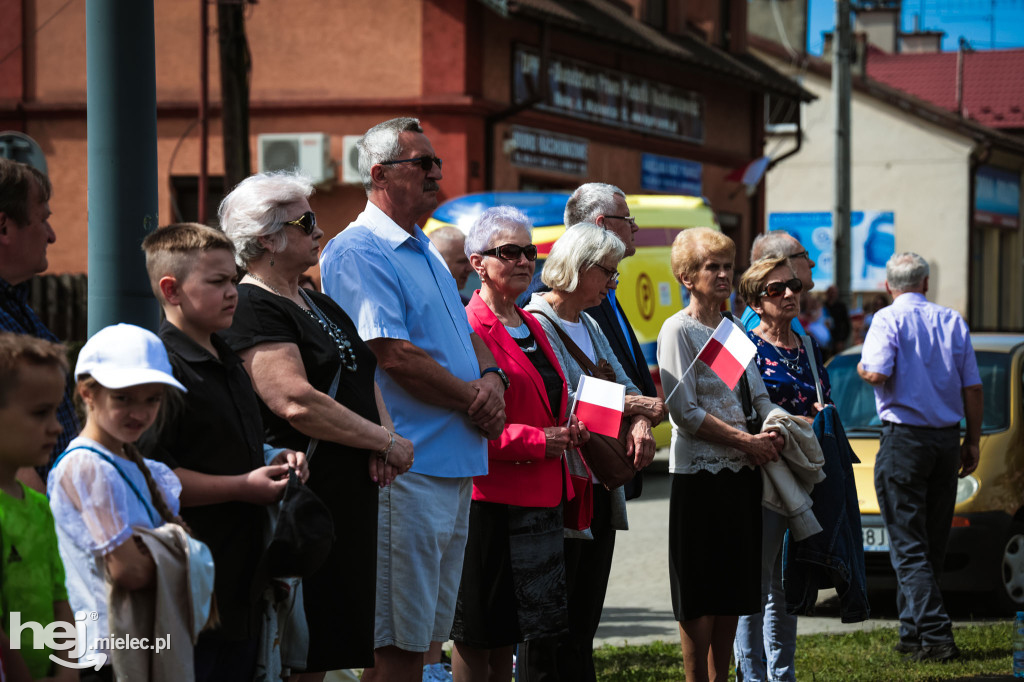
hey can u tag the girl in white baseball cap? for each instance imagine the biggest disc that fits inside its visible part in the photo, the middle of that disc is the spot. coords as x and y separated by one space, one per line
101 487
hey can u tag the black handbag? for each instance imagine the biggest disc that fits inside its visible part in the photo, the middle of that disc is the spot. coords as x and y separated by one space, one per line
606 456
304 533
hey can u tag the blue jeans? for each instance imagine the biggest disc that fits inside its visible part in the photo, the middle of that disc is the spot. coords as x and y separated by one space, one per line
915 480
766 642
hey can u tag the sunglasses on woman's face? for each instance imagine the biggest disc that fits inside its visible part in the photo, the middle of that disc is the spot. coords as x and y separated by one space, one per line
776 289
512 252
305 222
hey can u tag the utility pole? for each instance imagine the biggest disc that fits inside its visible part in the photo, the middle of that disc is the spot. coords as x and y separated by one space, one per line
841 83
235 64
121 127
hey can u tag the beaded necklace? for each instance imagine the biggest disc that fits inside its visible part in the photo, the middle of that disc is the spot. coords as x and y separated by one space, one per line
792 363
345 350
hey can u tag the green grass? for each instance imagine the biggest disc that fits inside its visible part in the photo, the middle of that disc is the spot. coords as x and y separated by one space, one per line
863 656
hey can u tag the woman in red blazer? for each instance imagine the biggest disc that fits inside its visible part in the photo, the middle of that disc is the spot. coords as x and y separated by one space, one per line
513 576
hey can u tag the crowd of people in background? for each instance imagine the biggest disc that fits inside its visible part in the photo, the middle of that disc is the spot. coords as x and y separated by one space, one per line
437 433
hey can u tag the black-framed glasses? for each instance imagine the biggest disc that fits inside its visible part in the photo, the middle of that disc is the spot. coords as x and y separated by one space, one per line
776 289
425 162
613 275
628 218
802 254
305 222
512 252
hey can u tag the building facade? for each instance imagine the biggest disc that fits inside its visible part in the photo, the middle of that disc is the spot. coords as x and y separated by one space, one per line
532 94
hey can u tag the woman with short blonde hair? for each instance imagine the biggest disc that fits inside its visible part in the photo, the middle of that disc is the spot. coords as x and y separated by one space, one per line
716 484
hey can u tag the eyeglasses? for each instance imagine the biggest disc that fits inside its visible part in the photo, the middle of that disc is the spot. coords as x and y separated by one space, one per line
425 162
776 289
512 252
613 275
305 222
802 254
628 218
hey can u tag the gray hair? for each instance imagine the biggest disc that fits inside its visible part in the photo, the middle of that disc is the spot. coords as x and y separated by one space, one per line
583 245
774 244
589 201
380 143
493 221
445 235
253 209
906 271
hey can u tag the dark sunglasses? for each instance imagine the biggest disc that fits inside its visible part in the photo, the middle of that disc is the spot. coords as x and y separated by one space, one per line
628 218
305 222
776 289
512 252
425 162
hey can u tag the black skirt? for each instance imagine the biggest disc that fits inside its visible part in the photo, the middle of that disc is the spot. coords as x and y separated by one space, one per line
714 544
513 576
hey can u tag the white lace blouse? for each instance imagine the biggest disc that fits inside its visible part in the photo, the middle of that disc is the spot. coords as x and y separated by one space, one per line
700 393
94 510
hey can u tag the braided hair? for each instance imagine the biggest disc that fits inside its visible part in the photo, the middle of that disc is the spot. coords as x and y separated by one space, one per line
134 455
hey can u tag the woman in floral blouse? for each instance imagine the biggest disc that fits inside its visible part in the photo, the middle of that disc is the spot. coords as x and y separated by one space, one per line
765 643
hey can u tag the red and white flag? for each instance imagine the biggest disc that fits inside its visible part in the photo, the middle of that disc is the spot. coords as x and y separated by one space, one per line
599 405
727 352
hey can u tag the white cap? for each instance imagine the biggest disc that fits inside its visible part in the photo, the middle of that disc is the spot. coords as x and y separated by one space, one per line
124 355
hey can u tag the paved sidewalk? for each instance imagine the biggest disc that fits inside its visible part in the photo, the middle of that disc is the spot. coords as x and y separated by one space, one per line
638 607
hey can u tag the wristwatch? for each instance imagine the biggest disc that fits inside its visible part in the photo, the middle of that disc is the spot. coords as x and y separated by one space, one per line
501 375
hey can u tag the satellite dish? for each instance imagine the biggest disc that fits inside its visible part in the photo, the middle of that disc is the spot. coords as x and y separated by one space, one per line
20 147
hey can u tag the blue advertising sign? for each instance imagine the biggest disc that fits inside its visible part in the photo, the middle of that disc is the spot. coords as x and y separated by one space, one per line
997 197
670 175
872 237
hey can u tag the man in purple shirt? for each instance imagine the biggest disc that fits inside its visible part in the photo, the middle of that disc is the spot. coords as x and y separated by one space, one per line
919 358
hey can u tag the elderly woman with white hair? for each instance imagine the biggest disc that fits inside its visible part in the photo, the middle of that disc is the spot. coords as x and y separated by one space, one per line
513 577
580 270
315 380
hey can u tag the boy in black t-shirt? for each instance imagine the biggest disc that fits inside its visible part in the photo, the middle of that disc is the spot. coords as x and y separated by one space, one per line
213 437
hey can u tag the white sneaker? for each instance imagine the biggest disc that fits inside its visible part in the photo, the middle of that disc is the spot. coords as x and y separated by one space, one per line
437 672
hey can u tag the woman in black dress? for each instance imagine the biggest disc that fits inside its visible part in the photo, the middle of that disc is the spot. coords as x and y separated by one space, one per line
300 349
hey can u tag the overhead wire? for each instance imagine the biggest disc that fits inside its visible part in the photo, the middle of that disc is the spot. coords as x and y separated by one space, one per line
40 27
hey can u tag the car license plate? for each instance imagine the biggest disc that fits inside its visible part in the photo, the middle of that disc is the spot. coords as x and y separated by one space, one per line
875 538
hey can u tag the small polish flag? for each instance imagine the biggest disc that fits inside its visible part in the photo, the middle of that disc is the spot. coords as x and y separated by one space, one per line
599 405
751 173
727 352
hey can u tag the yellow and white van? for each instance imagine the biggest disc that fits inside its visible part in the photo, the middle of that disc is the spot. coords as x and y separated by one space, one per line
647 291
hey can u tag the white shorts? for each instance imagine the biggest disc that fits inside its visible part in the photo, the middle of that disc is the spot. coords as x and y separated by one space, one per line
422 526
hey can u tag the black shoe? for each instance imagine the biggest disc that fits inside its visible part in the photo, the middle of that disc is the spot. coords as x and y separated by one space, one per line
907 647
940 653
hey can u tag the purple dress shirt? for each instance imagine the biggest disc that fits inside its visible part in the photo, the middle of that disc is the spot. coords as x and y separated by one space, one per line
925 350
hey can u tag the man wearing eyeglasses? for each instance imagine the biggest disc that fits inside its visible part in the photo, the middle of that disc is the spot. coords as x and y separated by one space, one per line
25 234
780 244
438 380
603 205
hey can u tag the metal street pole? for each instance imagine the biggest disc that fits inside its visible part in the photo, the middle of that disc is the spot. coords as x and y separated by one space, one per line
123 203
841 51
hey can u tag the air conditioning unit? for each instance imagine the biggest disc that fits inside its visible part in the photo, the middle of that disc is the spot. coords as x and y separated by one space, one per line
350 160
307 153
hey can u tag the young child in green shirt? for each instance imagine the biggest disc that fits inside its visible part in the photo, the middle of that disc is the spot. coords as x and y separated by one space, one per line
32 378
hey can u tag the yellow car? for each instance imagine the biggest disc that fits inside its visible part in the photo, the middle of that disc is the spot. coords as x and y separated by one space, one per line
647 291
986 543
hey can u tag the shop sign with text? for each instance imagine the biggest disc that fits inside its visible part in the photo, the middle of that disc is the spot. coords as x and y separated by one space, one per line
547 151
613 98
